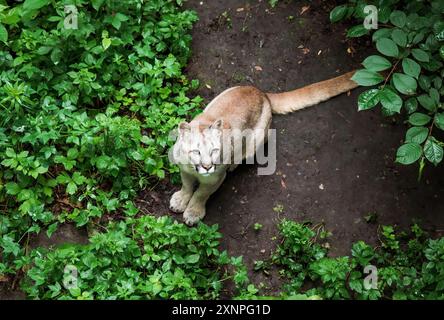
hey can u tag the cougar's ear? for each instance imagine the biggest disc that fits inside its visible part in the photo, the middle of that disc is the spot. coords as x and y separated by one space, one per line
184 128
218 124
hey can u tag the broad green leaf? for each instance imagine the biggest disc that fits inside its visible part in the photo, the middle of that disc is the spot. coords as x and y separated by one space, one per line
384 12
390 100
12 16
10 152
338 13
411 68
51 229
439 120
433 151
439 30
398 18
418 38
420 55
416 134
433 65
3 34
368 99
411 105
381 33
408 153
12 188
56 55
35 4
404 83
400 37
357 31
9 245
437 82
419 119
44 50
367 78
434 94
102 162
427 102
192 258
97 4
71 188
387 47
424 82
106 42
376 63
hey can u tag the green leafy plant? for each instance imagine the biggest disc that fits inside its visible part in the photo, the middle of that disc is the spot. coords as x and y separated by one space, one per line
144 258
86 112
407 70
409 265
257 226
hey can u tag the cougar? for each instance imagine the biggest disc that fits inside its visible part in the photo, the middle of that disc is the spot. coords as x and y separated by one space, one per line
204 149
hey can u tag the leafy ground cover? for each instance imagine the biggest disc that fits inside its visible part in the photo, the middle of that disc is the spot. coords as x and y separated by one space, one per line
85 120
410 45
86 112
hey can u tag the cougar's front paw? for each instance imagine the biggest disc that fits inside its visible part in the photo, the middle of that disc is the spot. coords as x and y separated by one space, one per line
193 214
179 201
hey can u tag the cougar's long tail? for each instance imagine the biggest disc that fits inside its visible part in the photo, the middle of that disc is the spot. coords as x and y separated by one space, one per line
310 95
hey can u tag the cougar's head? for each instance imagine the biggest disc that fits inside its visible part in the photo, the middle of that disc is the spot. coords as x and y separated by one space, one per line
201 146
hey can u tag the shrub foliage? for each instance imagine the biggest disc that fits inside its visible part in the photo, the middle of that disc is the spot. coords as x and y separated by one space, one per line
408 70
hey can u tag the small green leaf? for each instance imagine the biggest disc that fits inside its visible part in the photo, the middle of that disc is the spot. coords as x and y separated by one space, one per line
192 258
97 4
44 50
35 4
424 82
12 188
391 101
404 83
400 37
427 102
357 31
365 77
433 151
368 99
106 42
439 120
419 119
420 55
411 68
376 63
398 18
71 188
434 94
51 229
408 153
381 33
338 13
3 34
416 134
411 105
387 47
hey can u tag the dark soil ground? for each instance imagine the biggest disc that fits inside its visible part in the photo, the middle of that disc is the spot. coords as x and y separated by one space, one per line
334 165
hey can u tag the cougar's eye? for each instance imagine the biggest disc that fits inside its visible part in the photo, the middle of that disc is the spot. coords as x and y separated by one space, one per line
195 152
214 151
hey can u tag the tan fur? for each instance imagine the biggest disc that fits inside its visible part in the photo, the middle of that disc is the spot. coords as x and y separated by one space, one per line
311 95
237 108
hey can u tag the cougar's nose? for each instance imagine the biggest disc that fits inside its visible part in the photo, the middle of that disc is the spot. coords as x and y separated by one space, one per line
207 166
